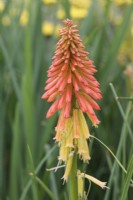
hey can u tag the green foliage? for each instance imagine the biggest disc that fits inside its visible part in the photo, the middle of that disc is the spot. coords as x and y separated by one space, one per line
25 55
127 180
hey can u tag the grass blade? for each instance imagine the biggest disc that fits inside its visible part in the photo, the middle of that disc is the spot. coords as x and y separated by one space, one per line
39 166
45 188
15 155
34 185
127 181
122 167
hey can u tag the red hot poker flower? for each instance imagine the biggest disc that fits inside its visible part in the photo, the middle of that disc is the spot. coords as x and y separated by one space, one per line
70 77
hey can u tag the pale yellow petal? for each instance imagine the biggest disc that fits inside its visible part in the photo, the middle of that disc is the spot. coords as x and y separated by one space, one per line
64 151
68 166
94 180
76 129
68 132
83 125
80 185
83 149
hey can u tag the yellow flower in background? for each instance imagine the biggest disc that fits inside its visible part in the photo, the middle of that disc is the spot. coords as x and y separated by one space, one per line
81 3
56 30
122 2
47 28
24 18
126 50
132 30
78 13
49 1
129 78
60 13
79 8
6 20
13 11
2 6
115 19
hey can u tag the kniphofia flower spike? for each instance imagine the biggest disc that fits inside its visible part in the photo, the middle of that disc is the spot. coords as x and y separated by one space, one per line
74 89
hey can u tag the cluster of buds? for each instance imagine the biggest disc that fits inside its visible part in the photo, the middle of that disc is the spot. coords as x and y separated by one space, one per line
71 83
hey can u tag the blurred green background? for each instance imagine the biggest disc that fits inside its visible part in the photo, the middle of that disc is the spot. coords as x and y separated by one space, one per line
29 31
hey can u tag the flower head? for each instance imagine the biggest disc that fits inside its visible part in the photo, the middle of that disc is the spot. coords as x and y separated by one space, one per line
71 82
72 85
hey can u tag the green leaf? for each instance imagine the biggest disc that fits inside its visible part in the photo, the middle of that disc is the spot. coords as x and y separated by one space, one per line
39 166
16 164
127 180
45 188
32 171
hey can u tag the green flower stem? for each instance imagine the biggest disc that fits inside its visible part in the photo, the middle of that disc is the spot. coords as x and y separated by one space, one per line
73 184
